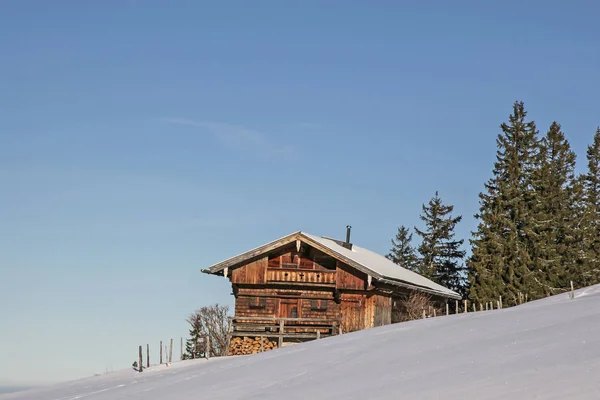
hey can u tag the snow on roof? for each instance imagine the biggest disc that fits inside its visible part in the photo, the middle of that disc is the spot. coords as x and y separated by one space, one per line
381 265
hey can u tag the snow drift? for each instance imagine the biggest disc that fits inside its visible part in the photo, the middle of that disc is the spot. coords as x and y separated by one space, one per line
547 349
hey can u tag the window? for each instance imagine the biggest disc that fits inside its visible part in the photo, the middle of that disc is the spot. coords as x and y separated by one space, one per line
258 302
318 305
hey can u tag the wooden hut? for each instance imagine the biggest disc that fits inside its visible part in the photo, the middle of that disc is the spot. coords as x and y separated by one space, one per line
302 287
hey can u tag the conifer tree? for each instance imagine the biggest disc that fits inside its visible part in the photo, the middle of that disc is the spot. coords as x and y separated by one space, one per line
501 263
196 333
441 257
591 214
402 251
554 250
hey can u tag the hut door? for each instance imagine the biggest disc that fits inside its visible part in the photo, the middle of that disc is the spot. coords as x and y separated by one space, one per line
351 311
288 308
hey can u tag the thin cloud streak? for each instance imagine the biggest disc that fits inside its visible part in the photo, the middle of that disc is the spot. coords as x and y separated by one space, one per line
235 136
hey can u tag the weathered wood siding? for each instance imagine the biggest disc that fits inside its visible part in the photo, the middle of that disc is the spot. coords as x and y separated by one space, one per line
268 303
256 306
369 311
352 309
349 280
382 310
323 309
253 273
291 259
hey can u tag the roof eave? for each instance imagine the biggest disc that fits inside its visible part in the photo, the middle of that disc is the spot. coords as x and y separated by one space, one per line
393 282
216 268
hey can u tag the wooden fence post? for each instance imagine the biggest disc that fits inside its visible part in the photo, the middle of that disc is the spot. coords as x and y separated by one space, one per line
207 347
147 355
474 307
171 352
434 313
141 364
500 303
318 334
480 307
447 309
161 351
572 291
465 302
229 334
424 315
281 332
181 348
456 306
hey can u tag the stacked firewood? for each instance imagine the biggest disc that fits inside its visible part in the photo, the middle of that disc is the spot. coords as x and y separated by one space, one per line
244 346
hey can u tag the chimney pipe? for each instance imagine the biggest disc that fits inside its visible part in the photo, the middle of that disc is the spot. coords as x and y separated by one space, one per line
348 227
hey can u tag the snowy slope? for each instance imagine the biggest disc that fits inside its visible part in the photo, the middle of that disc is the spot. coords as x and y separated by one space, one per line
548 349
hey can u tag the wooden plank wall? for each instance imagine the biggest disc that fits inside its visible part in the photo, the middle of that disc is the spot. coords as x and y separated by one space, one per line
292 259
250 306
383 310
352 309
249 303
251 273
347 280
369 313
327 309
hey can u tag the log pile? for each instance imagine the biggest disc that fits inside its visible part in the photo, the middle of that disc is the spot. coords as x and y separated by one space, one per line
244 346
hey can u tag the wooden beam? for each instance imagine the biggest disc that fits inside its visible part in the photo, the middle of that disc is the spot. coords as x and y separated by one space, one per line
225 272
298 245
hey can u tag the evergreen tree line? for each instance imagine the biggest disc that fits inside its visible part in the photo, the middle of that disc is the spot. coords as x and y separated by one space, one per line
538 222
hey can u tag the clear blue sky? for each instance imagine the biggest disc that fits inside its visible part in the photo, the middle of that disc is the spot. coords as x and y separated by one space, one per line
141 141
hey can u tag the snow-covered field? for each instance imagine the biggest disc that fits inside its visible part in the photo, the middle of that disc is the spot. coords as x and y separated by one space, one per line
548 349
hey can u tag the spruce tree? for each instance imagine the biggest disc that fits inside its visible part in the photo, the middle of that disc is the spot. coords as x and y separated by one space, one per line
501 263
441 257
402 252
591 214
196 333
554 250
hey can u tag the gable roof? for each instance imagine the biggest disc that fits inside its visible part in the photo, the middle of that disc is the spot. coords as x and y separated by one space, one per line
364 260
